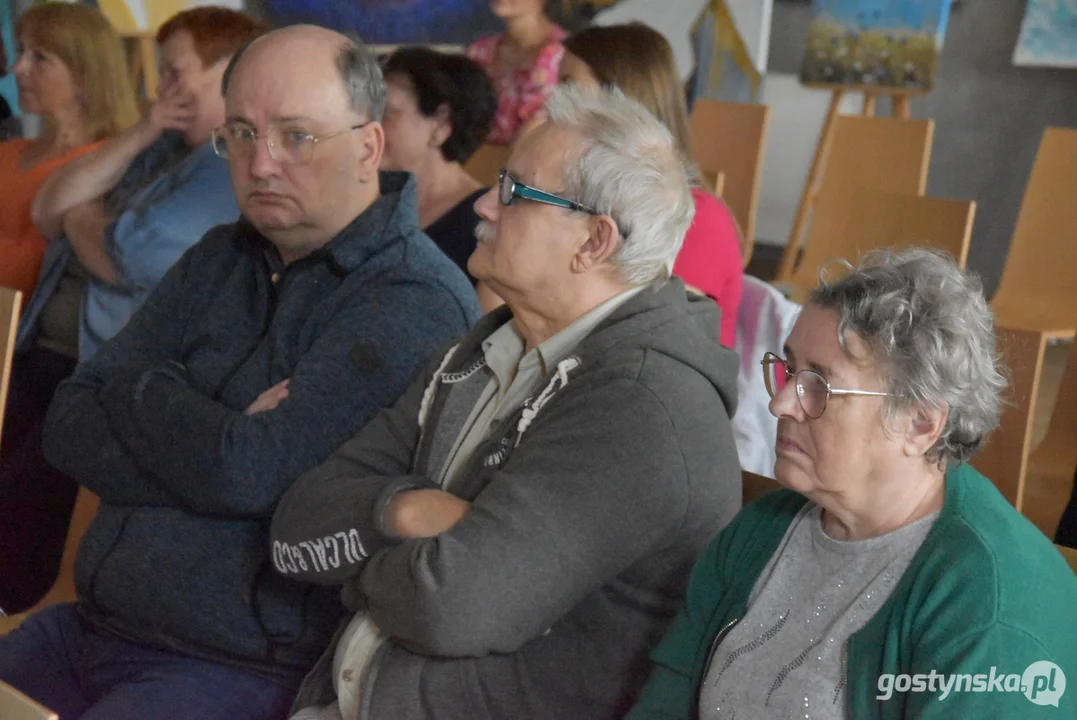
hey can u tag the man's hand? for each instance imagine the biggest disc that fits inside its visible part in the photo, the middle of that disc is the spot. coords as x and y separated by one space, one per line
172 110
270 399
424 513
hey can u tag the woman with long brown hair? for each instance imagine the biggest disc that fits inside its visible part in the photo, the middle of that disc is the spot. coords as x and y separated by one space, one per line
639 61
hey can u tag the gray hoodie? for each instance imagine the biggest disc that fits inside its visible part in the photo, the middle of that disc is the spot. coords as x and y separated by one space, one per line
589 507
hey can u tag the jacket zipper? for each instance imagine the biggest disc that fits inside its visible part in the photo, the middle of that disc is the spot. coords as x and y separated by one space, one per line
710 659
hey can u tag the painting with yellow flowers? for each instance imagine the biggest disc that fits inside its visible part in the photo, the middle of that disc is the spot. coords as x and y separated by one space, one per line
882 43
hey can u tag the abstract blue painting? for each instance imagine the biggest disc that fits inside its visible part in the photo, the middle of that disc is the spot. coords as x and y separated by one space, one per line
393 22
1048 34
883 43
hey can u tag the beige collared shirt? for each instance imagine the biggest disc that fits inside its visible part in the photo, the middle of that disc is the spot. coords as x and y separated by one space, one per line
515 375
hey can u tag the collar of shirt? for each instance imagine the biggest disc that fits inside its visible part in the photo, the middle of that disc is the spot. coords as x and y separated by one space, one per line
504 348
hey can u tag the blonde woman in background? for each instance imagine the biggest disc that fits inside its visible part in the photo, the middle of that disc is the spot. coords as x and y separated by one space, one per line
70 72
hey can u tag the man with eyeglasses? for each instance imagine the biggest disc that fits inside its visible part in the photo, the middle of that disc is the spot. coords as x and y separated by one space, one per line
515 534
272 341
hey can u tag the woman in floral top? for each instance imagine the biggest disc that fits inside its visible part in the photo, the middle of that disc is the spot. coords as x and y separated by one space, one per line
522 63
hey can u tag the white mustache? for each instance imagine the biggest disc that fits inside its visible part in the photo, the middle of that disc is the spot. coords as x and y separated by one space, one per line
484 232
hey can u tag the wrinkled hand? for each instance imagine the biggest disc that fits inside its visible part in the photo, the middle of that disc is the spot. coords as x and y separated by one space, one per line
172 110
424 513
270 399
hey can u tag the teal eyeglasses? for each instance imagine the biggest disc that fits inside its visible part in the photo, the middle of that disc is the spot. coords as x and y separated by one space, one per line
508 189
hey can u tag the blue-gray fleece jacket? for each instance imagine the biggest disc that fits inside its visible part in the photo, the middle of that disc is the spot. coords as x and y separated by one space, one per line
589 506
154 423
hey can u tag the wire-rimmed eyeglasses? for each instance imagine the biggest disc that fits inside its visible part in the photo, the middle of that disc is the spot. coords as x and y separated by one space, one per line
286 145
813 390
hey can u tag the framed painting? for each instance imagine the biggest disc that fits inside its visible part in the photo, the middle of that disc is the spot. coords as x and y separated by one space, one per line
875 43
1048 34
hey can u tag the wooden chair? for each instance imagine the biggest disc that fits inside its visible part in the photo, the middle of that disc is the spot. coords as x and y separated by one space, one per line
755 486
1038 289
1050 468
63 590
1035 304
731 138
1071 556
485 163
16 706
880 219
10 306
882 153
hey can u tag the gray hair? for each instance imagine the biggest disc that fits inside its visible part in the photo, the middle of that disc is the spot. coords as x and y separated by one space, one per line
627 167
932 334
359 70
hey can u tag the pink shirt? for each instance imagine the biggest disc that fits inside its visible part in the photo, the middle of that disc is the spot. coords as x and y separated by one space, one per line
710 260
521 93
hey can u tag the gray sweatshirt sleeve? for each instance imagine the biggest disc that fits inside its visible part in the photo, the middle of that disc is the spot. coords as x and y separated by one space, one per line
328 522
585 495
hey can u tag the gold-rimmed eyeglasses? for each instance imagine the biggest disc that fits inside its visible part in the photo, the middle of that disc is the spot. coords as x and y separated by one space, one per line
813 390
290 146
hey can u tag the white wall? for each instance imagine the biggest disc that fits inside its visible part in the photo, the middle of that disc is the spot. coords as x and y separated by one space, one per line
796 119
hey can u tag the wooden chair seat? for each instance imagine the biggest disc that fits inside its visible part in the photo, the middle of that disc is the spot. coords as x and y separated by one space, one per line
16 706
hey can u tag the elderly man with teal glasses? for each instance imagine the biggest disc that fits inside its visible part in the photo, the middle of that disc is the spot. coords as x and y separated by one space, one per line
514 535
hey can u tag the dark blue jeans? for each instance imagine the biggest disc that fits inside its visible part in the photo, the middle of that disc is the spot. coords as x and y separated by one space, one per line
83 673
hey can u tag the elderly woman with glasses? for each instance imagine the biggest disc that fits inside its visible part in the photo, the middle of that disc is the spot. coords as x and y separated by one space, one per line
888 579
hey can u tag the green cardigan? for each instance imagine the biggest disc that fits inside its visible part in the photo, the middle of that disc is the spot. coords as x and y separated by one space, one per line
986 589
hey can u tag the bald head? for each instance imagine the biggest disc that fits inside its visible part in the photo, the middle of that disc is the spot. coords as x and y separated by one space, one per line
302 134
317 53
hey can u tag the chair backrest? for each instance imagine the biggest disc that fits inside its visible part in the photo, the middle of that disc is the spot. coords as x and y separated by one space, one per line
16 706
1071 556
485 163
880 219
731 138
1045 236
882 153
753 486
10 305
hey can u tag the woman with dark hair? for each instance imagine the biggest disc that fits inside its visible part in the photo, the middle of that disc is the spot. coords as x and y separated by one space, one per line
523 63
639 61
438 111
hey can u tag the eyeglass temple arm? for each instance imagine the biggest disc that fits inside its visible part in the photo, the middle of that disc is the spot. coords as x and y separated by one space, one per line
872 393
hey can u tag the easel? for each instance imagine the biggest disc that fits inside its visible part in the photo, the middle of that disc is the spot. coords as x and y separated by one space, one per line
899 100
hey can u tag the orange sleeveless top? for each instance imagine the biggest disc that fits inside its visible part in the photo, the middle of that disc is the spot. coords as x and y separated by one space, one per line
21 245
